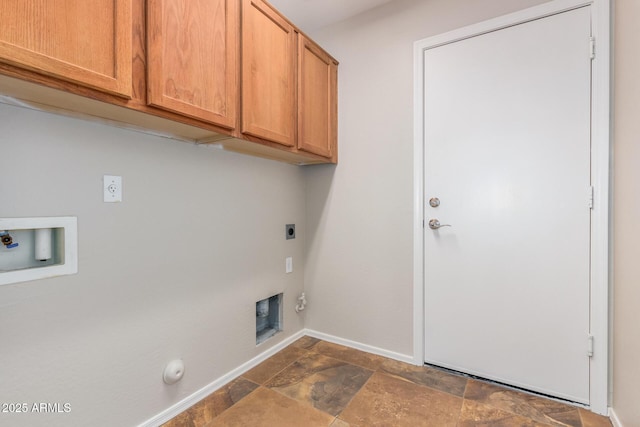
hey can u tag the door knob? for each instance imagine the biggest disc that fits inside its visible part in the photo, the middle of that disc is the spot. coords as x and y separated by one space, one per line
434 224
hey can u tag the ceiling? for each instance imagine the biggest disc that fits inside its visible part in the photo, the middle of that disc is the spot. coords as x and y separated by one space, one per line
309 15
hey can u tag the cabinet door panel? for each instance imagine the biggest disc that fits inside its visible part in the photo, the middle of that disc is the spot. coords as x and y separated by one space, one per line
85 42
268 74
316 99
193 58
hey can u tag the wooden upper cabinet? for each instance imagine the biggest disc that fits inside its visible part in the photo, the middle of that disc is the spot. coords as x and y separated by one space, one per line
317 103
268 74
192 58
233 72
84 42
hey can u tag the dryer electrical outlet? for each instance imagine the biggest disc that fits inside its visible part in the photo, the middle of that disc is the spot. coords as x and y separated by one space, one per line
290 231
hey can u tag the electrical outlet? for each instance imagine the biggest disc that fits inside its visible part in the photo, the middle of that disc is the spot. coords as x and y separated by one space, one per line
288 265
290 231
112 186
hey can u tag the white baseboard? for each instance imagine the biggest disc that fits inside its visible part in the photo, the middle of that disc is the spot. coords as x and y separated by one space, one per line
614 418
191 400
359 346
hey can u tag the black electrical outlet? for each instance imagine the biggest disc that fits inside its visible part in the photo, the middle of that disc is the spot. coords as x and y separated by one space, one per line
290 230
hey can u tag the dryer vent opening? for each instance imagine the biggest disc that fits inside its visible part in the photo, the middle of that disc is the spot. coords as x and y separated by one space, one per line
268 318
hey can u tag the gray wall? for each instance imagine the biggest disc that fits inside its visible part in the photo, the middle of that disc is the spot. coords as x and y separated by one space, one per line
360 247
100 339
626 335
359 257
173 271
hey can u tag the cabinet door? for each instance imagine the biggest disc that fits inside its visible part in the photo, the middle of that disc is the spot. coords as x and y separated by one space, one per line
317 89
85 42
192 55
268 74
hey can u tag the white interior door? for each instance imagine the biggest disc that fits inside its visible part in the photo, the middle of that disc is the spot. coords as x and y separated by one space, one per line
507 153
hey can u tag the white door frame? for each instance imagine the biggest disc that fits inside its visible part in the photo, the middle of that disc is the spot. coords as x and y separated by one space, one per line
600 154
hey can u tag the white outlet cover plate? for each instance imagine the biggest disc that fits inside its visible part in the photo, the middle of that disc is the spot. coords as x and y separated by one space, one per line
289 265
112 186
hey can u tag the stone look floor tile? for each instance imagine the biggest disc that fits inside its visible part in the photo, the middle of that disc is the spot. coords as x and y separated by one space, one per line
349 355
325 383
213 405
389 401
541 410
339 423
424 375
267 408
276 363
312 381
306 342
476 414
589 419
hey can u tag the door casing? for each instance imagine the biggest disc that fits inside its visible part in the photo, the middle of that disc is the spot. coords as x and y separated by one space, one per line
600 172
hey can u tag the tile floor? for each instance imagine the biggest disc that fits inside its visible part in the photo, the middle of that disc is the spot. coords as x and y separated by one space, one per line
316 383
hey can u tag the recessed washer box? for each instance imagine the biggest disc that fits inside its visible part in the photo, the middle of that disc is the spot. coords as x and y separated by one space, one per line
40 248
